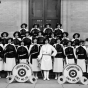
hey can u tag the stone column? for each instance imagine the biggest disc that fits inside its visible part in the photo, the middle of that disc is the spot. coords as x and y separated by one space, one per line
24 11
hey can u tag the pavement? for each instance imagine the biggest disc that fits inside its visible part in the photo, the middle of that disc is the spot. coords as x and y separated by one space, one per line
40 84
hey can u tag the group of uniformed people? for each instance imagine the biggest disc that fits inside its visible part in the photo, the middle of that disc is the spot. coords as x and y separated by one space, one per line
44 50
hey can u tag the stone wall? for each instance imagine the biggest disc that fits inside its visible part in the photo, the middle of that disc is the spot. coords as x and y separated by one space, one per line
75 17
12 14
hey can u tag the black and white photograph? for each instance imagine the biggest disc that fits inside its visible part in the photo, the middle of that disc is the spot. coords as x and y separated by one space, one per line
43 43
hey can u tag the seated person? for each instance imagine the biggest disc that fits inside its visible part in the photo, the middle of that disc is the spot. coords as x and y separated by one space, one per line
58 31
52 39
40 38
16 39
76 39
4 38
27 40
23 30
48 30
65 39
35 30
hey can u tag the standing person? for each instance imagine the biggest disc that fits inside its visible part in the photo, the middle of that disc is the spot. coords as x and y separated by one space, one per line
1 58
46 52
48 30
70 53
58 60
34 52
81 56
22 53
23 30
10 56
35 30
86 45
58 31
4 38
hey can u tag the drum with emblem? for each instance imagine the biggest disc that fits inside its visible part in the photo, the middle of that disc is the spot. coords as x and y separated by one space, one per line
73 73
22 72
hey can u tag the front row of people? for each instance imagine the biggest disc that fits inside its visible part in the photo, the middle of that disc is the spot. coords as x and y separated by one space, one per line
51 57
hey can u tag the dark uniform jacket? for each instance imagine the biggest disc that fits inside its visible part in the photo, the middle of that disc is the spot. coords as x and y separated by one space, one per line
81 52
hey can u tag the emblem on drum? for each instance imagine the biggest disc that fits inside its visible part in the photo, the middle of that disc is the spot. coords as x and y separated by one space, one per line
22 72
72 73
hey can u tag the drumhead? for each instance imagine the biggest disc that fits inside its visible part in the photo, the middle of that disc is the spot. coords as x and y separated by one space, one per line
73 73
22 72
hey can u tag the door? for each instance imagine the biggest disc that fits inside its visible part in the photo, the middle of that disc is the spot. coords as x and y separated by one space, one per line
36 13
44 11
52 12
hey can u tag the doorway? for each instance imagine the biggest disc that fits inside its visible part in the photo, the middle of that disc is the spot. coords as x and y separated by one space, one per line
44 11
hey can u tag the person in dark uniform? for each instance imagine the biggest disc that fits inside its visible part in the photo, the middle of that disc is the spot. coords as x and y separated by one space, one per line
70 53
81 55
58 31
86 45
1 58
22 53
48 30
34 52
23 30
65 39
76 39
16 39
4 38
10 56
35 30
40 38
58 60
0 40
27 40
52 39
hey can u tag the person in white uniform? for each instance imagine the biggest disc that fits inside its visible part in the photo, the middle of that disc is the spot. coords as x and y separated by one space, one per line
46 52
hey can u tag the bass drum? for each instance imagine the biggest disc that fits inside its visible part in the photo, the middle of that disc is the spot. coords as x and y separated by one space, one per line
73 73
22 72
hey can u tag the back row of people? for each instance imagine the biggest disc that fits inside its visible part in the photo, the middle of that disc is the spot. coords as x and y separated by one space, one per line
47 31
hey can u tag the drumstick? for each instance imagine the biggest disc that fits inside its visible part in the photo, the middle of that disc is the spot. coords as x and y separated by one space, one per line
38 62
32 54
39 65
